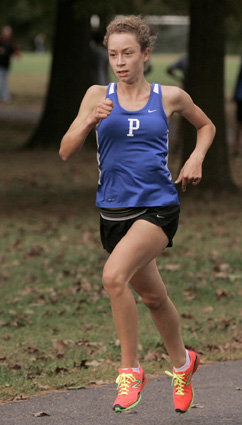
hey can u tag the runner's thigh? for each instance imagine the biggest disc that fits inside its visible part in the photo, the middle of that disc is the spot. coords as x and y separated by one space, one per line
141 244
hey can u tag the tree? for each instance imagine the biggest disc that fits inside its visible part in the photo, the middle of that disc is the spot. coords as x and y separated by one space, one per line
206 87
69 75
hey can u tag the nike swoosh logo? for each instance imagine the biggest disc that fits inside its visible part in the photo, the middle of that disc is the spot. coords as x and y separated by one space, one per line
160 216
154 110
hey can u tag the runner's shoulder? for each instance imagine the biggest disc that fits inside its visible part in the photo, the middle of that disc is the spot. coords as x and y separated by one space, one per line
99 92
172 91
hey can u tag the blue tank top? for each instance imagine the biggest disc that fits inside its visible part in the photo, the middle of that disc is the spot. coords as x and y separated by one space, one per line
132 153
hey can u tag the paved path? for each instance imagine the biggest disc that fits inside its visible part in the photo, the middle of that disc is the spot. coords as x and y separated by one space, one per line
218 400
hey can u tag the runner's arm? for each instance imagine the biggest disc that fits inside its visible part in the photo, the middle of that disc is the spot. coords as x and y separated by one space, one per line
94 107
179 101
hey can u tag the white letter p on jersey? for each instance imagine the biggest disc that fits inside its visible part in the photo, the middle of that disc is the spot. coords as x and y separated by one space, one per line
133 125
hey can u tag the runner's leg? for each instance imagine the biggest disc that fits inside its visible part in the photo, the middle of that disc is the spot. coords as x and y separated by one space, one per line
142 243
148 283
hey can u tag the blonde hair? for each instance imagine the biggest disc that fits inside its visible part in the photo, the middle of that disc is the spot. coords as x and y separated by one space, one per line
131 24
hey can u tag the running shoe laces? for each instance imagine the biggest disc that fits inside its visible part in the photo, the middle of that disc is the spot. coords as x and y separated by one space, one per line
179 382
124 380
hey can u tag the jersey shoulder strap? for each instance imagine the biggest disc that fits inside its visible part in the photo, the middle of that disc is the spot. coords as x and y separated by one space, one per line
111 89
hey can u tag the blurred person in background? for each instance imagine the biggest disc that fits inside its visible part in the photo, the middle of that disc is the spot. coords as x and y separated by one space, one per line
99 61
180 65
8 47
39 43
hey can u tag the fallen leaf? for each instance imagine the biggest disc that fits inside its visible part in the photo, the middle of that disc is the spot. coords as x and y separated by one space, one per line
221 267
150 356
32 350
83 364
41 387
187 316
54 298
88 327
4 324
60 369
225 323
197 406
80 341
94 363
15 366
29 311
188 295
20 398
208 309
222 293
59 345
35 251
221 275
97 382
40 414
172 267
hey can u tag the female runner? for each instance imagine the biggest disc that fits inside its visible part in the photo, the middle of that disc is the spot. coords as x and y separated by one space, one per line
139 206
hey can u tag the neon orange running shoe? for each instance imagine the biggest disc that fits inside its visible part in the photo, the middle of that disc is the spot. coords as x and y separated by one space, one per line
183 393
130 385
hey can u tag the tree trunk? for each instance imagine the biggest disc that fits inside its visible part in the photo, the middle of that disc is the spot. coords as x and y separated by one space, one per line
69 77
206 87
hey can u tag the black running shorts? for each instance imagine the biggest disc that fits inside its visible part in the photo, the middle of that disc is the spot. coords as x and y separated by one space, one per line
112 231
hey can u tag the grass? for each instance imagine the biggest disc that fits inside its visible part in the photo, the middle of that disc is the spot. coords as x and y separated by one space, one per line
32 63
56 329
29 78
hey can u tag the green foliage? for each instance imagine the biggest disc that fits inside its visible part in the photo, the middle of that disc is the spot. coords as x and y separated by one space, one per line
233 13
233 8
29 18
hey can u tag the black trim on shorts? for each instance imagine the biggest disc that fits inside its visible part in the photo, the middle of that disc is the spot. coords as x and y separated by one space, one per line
111 231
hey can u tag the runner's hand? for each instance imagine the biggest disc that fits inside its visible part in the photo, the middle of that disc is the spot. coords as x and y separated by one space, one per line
191 172
101 111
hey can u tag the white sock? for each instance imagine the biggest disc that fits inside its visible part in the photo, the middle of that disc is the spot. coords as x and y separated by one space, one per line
134 369
185 366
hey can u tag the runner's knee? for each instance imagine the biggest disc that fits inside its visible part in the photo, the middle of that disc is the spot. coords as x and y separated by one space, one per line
155 301
113 282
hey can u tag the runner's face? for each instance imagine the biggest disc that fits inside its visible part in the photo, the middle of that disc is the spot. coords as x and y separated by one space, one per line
125 56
